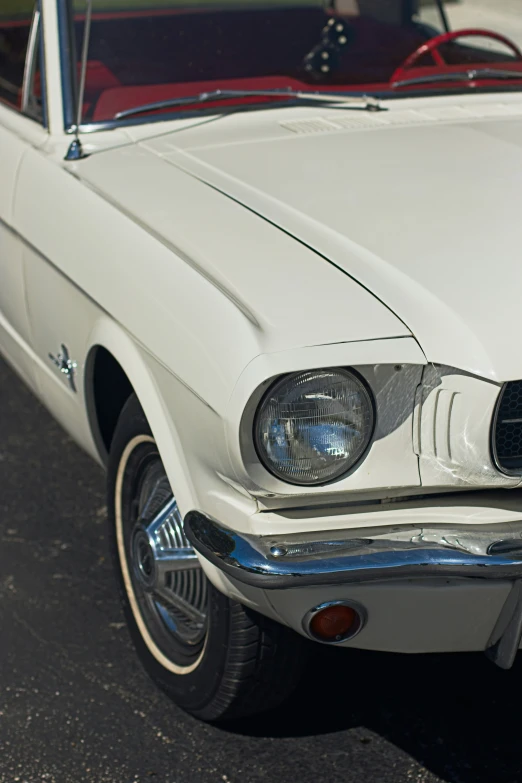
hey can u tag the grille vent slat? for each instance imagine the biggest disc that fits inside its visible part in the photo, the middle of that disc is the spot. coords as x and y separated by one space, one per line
508 429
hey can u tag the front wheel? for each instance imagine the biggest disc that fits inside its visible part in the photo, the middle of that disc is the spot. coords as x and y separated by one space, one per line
214 657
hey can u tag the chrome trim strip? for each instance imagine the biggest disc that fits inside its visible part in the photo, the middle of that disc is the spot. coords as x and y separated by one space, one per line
184 113
209 114
201 113
30 60
470 75
85 54
348 557
67 60
43 72
370 103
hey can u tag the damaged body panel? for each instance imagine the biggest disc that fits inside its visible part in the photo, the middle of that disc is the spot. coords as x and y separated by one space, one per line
452 430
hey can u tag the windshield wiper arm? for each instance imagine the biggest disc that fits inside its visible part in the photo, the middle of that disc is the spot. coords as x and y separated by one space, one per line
469 75
368 102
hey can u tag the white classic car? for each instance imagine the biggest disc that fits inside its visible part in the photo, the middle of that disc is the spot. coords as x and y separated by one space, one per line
262 260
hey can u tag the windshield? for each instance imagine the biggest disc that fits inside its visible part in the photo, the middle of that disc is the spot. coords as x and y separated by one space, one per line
149 51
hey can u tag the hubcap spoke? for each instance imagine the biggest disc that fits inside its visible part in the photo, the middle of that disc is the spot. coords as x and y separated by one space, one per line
168 512
171 600
170 549
169 560
165 566
158 484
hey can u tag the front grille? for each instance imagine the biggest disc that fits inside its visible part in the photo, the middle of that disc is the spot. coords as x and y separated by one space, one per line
507 437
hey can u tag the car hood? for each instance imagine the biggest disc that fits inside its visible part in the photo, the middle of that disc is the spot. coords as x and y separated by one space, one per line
425 213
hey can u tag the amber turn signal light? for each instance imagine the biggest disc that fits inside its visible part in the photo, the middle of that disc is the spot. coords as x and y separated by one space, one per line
334 622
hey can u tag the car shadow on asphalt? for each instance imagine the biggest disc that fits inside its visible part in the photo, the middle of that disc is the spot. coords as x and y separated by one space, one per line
455 714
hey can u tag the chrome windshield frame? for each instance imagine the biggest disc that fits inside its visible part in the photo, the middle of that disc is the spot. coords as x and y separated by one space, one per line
207 114
70 88
43 71
67 61
203 113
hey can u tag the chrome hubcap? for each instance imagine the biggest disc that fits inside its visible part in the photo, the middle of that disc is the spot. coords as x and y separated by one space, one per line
164 566
155 552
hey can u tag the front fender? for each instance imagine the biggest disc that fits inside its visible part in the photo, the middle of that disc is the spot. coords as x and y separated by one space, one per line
182 426
189 433
140 370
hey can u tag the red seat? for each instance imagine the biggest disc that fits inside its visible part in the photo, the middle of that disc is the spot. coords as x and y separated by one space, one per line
99 77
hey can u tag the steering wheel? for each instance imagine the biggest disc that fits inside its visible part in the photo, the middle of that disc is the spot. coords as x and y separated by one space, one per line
432 47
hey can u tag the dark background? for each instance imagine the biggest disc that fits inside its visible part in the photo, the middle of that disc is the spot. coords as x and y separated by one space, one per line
76 706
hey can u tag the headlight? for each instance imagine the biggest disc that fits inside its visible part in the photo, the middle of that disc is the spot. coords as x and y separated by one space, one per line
312 427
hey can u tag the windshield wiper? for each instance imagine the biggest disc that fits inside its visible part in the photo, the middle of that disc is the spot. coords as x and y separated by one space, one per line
366 102
469 75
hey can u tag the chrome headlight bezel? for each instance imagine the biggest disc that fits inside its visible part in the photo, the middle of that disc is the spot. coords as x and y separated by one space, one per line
360 454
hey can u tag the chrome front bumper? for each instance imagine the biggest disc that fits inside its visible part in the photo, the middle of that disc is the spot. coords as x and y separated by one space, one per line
280 562
373 554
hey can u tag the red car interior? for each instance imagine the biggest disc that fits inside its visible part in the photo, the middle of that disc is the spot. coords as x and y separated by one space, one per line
433 46
138 58
157 58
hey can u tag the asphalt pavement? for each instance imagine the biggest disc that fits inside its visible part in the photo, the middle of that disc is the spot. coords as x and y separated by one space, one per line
76 706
